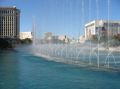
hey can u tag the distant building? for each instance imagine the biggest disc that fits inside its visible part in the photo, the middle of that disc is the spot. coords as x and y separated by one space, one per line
74 41
82 39
51 38
62 37
25 35
102 29
47 35
9 22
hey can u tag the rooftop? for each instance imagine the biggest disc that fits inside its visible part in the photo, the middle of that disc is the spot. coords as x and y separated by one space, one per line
102 21
8 7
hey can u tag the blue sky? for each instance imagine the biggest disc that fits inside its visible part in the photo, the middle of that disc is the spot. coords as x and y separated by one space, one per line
62 16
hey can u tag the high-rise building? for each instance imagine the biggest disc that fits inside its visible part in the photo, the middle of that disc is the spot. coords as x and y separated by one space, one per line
9 22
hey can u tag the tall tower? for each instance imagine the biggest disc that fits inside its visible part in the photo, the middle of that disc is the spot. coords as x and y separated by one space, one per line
9 22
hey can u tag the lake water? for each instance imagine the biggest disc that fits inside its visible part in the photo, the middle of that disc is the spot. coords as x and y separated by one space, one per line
21 70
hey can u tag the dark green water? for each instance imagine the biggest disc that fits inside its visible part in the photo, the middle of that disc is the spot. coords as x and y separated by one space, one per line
20 70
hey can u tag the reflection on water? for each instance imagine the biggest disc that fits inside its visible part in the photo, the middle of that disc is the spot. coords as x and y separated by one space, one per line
20 70
9 70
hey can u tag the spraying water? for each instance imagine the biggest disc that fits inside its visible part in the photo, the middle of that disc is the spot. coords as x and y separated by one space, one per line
86 54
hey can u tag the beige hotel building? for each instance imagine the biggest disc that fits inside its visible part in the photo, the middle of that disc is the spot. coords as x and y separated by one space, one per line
9 22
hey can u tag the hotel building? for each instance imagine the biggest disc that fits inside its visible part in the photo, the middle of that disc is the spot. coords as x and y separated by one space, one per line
9 22
102 28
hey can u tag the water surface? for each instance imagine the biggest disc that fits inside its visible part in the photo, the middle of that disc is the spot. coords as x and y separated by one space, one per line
21 70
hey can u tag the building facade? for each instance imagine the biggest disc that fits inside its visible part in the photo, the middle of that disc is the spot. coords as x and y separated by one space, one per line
48 35
9 22
25 35
102 29
82 39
